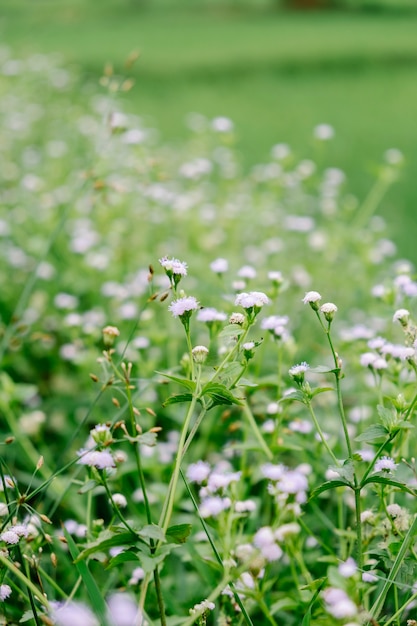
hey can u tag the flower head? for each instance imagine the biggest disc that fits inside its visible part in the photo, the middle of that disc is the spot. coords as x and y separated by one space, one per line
328 309
402 316
385 464
174 269
5 592
219 266
312 298
297 372
183 307
101 459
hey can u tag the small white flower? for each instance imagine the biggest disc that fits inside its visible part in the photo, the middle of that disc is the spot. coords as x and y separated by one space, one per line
252 299
5 592
222 125
205 605
348 568
183 305
119 500
245 506
369 577
385 464
210 314
247 271
367 359
298 370
10 537
219 266
328 309
174 266
101 459
323 132
402 316
312 297
198 472
394 510
264 537
380 364
273 472
237 318
73 613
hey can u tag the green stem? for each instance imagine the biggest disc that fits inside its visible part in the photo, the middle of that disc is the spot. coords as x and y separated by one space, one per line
371 201
255 428
321 434
19 574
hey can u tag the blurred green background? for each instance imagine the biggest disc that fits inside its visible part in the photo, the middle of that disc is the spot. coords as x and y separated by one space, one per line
276 68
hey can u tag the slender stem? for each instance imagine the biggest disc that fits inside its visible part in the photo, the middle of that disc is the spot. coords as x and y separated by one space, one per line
359 552
29 584
255 428
371 201
321 434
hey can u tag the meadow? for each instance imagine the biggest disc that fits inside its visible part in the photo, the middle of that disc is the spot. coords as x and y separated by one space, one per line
208 362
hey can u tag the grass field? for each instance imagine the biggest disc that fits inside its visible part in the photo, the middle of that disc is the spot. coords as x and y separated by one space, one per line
275 74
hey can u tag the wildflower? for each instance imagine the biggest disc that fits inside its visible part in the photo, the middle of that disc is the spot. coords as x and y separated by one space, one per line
5 592
101 434
101 459
312 298
174 269
385 464
200 354
10 537
137 575
323 132
237 318
123 610
73 613
252 300
338 604
205 605
276 277
328 309
247 271
183 307
367 517
214 505
222 125
273 472
348 568
286 530
369 577
198 472
245 506
109 335
297 372
402 316
119 500
210 314
219 266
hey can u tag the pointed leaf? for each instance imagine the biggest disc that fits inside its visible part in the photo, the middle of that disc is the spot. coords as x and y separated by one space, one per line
231 330
323 369
102 544
376 431
147 439
219 394
88 486
123 557
177 398
382 480
330 484
152 531
294 395
318 390
179 533
185 382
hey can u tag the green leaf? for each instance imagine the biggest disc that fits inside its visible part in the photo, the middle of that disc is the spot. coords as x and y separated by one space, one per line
88 486
388 416
185 382
330 484
345 471
107 540
123 557
376 431
152 531
219 394
90 584
179 533
382 480
231 330
318 390
177 398
294 395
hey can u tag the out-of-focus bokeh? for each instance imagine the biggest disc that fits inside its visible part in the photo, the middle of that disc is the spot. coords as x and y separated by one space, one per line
277 68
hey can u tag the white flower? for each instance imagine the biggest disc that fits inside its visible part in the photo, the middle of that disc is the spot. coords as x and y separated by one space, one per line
174 266
247 271
298 370
5 592
369 577
367 359
271 322
286 530
119 500
385 464
237 318
205 605
339 605
137 575
73 613
200 353
312 297
198 472
328 309
210 314
273 472
380 364
276 277
214 505
348 568
219 266
264 537
245 506
183 305
101 459
222 125
252 299
123 610
402 316
323 132
10 537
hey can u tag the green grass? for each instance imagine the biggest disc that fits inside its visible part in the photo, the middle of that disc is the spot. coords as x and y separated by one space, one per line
276 74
